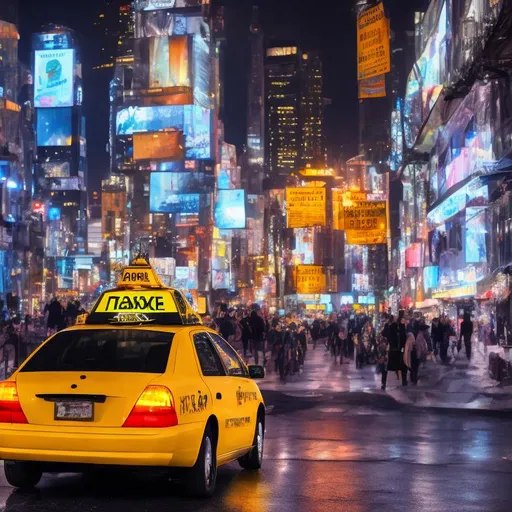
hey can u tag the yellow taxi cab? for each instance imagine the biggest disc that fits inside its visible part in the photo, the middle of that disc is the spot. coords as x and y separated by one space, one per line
139 382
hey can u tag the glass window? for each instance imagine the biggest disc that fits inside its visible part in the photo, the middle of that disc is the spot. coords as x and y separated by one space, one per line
209 360
228 354
95 350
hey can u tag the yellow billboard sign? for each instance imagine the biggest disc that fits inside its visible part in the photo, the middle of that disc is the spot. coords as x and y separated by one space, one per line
305 207
137 302
310 279
366 222
373 52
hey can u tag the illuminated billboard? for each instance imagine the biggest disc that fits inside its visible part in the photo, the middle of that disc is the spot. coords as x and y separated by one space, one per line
476 246
54 127
56 169
61 184
130 120
150 5
53 78
197 132
230 209
173 203
163 184
168 62
201 71
158 146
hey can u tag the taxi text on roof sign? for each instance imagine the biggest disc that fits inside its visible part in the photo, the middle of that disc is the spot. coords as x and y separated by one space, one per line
138 302
139 274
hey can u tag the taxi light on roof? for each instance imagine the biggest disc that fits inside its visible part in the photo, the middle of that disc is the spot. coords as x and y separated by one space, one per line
10 407
154 409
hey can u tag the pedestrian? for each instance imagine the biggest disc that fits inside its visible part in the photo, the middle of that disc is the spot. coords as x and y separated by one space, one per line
246 331
382 360
341 342
55 316
315 331
396 339
332 334
466 331
437 335
415 350
257 335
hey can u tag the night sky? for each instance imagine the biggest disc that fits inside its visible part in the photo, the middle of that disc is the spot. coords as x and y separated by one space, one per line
321 25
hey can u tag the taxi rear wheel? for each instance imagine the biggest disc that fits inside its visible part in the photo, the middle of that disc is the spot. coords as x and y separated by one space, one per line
203 476
254 459
24 475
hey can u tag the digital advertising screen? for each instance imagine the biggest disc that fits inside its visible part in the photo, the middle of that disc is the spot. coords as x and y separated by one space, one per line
178 182
476 247
230 209
168 62
56 169
220 279
53 78
54 127
59 184
54 214
150 5
130 120
197 131
160 202
430 277
201 71
158 146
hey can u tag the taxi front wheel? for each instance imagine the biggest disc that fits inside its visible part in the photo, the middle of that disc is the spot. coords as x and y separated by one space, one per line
254 459
24 475
203 476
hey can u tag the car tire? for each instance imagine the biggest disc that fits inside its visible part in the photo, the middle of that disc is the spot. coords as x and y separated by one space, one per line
254 459
24 475
201 479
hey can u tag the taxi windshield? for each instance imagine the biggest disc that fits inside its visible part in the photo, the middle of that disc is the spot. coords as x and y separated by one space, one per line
101 350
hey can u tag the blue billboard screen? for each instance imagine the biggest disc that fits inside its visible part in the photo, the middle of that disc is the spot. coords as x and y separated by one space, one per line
197 132
161 201
54 127
131 120
230 209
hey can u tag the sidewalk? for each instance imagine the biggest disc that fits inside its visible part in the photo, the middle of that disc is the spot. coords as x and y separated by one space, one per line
461 385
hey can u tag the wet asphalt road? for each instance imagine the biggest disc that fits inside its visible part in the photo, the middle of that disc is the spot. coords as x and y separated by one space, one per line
346 452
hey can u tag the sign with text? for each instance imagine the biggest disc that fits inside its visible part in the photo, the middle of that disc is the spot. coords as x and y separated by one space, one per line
53 80
374 87
373 52
310 279
366 222
305 207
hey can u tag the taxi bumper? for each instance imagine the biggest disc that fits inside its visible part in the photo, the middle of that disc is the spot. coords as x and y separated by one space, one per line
171 447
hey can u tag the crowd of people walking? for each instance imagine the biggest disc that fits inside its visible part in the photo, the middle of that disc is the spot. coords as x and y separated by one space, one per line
400 345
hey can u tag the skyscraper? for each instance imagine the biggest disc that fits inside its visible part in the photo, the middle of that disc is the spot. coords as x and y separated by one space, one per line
256 109
114 28
312 150
283 94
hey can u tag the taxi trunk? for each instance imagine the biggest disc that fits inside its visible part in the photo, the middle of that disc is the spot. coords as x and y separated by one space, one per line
91 377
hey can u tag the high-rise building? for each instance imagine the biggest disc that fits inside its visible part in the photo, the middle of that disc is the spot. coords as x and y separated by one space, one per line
61 169
312 148
164 104
283 95
256 109
114 27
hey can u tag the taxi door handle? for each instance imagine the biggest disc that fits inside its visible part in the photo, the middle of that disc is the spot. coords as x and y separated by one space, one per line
218 396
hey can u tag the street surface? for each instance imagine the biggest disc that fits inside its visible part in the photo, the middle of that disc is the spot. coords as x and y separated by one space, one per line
338 449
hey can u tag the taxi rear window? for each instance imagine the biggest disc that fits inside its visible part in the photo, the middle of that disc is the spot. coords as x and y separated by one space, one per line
119 350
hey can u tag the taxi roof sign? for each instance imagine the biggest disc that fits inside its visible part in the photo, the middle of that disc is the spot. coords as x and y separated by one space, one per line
140 274
142 298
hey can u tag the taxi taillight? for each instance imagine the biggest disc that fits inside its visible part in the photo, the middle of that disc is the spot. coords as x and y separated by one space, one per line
154 409
10 407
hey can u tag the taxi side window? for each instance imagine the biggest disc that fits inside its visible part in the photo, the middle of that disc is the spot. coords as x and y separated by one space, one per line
229 356
211 365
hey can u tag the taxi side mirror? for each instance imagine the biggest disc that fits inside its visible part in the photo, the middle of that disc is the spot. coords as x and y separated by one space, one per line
256 372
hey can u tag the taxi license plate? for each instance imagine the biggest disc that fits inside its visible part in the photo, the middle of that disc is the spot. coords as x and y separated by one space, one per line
74 410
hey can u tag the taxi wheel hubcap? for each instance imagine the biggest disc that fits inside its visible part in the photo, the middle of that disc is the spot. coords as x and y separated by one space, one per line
260 441
208 462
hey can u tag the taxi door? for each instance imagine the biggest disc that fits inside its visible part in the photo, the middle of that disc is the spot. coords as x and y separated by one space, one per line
221 390
242 424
